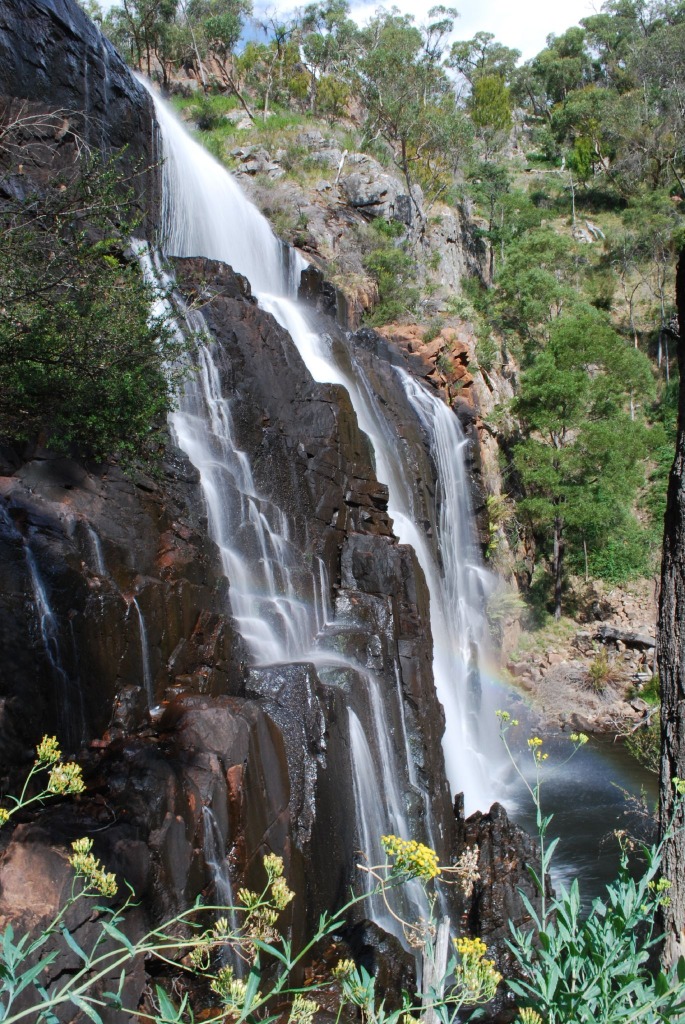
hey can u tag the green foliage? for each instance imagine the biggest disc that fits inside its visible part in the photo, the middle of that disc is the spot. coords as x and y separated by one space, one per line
490 103
600 671
645 743
203 943
482 56
394 271
86 370
597 969
580 459
208 111
408 96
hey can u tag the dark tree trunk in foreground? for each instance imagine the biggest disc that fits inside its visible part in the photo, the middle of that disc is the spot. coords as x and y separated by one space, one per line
671 658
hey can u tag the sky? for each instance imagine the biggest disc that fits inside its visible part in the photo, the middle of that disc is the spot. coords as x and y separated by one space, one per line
522 24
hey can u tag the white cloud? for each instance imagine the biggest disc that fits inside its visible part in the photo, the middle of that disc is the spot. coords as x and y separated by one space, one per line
524 25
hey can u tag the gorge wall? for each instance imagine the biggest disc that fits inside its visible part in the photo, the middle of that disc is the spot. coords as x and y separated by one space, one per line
115 616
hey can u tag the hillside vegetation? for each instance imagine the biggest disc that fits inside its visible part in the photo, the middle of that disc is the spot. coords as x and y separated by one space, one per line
570 167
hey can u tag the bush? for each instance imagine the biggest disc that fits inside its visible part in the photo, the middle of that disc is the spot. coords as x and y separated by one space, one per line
645 743
394 271
85 368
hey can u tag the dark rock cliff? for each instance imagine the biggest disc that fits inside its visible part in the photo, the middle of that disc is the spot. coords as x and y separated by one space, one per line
69 93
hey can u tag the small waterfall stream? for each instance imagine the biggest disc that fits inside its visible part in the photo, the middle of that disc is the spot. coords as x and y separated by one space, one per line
145 656
68 700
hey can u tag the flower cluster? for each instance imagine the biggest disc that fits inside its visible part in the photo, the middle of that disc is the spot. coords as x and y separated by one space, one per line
65 779
660 891
302 1010
578 737
233 991
411 858
90 869
47 751
505 718
281 895
474 974
466 870
273 865
343 969
529 1016
534 744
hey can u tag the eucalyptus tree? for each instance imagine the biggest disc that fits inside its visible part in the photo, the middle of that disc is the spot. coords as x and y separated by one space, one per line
141 29
329 46
409 98
483 56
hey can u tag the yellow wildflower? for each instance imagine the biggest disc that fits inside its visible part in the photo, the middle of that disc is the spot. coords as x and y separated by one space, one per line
65 778
47 751
273 865
411 858
529 1016
90 869
4 816
475 975
343 969
578 737
302 1010
281 895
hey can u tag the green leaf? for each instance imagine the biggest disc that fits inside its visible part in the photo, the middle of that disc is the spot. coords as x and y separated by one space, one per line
86 1008
73 944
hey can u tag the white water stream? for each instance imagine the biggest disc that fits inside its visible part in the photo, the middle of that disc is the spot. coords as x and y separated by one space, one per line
279 599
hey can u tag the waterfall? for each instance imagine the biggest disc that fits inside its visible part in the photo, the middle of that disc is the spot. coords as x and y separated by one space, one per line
268 599
96 545
215 859
278 597
145 656
456 583
214 851
68 699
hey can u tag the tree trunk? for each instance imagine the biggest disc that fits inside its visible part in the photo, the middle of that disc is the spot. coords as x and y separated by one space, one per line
558 559
671 660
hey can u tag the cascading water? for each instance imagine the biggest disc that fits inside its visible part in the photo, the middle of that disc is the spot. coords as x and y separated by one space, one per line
145 656
456 586
96 546
214 852
279 608
215 859
68 698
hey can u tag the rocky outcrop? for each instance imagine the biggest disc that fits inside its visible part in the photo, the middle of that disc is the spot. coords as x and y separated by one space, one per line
308 454
505 855
327 219
68 93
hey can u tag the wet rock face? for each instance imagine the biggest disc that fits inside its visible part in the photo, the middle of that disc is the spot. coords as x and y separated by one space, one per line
54 60
110 596
505 851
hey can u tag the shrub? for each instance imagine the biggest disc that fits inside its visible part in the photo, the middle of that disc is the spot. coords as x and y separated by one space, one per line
86 369
600 671
239 955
